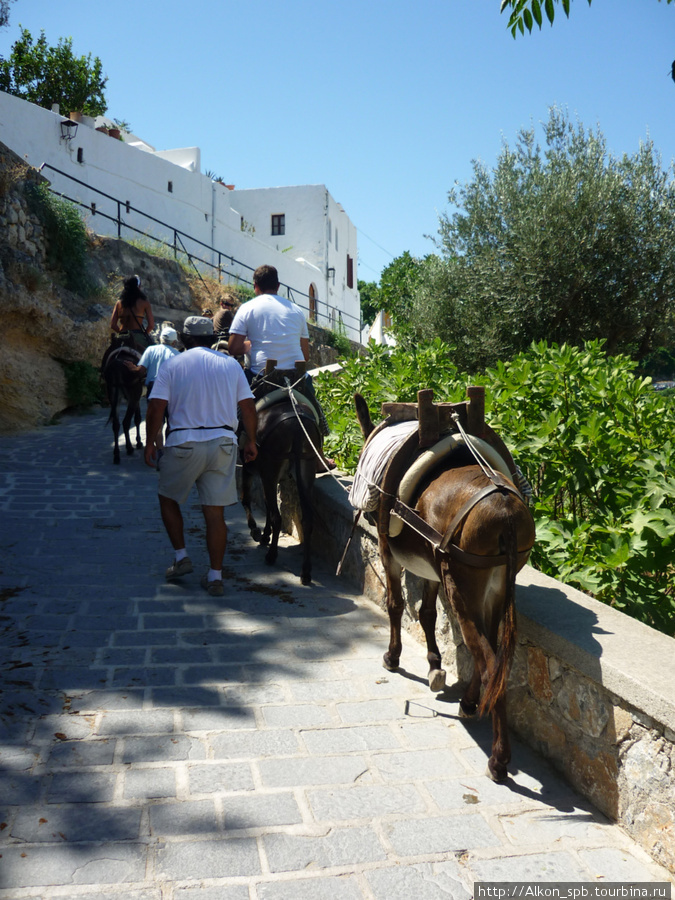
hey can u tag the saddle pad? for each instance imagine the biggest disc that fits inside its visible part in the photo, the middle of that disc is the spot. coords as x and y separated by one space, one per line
282 394
431 458
376 454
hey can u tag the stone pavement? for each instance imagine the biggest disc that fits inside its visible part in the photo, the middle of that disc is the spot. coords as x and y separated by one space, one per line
159 744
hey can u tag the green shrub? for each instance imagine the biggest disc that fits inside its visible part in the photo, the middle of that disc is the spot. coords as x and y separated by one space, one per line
83 384
338 338
595 441
66 234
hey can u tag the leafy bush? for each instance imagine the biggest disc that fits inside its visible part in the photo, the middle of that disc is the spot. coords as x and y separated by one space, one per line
65 232
595 441
338 339
83 384
384 375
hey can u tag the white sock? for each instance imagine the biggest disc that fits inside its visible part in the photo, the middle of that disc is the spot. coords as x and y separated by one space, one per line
181 554
215 575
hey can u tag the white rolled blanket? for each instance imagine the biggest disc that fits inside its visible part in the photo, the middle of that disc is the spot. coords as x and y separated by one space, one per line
364 492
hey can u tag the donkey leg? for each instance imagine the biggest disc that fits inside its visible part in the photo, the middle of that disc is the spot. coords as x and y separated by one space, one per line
116 434
468 705
137 423
500 755
392 573
427 617
126 425
304 481
475 641
246 481
273 523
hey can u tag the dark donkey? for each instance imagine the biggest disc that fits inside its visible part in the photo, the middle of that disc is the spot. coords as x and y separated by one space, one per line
470 533
288 438
121 383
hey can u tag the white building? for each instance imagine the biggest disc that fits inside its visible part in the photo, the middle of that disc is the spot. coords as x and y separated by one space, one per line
131 190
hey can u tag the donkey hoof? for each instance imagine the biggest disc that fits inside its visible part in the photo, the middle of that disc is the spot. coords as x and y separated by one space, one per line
467 709
390 664
130 451
116 461
437 680
496 771
305 579
256 534
270 558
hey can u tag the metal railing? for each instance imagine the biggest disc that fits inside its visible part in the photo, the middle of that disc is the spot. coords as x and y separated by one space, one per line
178 246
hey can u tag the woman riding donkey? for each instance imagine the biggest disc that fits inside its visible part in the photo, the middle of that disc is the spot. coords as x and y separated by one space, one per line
131 311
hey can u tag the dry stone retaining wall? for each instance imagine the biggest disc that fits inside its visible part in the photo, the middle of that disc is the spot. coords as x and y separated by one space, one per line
591 689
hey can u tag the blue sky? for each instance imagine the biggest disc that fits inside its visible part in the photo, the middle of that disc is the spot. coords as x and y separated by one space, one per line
386 103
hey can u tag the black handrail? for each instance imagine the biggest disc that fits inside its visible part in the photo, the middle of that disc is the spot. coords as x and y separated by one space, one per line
178 236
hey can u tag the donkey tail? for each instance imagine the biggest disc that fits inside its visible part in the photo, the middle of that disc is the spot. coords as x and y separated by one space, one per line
496 686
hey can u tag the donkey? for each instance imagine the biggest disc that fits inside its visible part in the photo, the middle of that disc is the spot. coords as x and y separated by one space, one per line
486 533
288 442
122 383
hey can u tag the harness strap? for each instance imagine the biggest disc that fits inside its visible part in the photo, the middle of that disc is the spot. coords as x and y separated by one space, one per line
469 505
417 523
199 428
443 543
480 562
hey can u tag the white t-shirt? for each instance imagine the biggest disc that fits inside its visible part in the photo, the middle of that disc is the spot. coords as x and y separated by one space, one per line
274 327
153 357
202 388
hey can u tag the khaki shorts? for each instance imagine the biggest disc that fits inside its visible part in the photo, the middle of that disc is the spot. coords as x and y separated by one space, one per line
211 465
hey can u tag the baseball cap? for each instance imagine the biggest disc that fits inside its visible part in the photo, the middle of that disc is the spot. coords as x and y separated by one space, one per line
196 325
170 334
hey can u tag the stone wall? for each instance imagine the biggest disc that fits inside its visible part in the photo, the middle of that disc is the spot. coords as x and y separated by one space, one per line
591 689
40 321
43 324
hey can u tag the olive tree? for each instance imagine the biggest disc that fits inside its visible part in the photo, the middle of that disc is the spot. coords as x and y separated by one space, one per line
564 243
45 75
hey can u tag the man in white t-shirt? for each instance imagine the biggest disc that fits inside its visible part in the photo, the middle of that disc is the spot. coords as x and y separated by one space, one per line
272 327
200 389
275 327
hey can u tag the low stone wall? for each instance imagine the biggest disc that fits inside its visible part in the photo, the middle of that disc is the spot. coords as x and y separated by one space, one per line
591 689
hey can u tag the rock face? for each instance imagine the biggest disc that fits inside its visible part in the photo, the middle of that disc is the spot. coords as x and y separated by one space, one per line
43 324
40 321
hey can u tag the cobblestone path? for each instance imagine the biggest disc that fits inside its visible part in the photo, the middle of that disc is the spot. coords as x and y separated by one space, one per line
159 744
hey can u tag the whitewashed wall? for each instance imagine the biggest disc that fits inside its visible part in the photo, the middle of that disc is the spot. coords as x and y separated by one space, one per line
168 186
318 231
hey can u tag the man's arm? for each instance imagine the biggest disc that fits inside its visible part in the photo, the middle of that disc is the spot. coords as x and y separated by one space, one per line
236 345
304 346
133 368
154 420
249 419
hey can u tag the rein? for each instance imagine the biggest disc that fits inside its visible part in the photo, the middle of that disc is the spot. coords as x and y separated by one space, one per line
296 409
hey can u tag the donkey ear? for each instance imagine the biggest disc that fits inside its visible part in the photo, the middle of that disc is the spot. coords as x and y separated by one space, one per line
363 415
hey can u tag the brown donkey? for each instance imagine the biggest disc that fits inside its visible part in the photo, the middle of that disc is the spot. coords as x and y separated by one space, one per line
471 534
289 442
123 384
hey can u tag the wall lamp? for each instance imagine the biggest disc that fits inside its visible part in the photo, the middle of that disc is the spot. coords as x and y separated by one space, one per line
68 129
330 272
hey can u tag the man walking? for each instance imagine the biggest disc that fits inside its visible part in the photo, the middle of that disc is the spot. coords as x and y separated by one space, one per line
200 389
